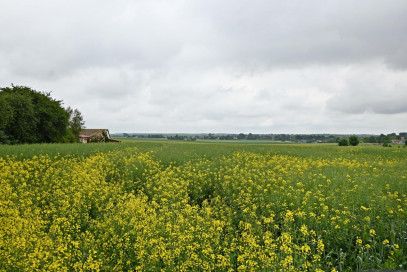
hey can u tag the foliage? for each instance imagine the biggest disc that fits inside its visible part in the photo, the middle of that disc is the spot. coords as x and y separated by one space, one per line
17 115
175 206
177 138
353 140
70 137
370 139
384 139
29 116
99 138
343 142
4 138
76 124
105 137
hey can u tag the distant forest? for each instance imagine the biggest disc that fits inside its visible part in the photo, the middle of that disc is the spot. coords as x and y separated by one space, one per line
303 138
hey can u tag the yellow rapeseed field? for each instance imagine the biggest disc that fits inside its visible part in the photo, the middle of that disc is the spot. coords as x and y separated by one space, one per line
278 209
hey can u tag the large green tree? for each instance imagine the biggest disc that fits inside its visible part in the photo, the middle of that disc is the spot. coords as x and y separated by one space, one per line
28 116
17 118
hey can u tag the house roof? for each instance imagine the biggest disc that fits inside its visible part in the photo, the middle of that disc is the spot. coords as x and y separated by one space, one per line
91 132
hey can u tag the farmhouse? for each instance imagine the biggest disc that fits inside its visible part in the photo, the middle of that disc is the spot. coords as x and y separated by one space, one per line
94 135
396 141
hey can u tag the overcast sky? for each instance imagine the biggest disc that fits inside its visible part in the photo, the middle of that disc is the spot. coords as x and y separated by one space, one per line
266 66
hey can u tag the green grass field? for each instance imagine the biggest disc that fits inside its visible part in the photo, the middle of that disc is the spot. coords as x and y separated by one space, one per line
202 206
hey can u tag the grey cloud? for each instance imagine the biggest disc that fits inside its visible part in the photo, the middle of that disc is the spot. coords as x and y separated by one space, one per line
350 104
262 66
293 33
57 38
371 90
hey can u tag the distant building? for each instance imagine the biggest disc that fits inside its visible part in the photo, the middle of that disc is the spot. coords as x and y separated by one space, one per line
396 141
84 139
94 135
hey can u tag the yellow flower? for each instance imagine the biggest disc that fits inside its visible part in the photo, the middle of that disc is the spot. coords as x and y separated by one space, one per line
304 230
305 249
289 216
320 246
358 241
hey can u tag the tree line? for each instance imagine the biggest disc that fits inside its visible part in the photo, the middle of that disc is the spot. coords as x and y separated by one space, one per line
383 139
29 116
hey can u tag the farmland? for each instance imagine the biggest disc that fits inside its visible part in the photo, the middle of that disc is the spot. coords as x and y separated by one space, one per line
172 206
